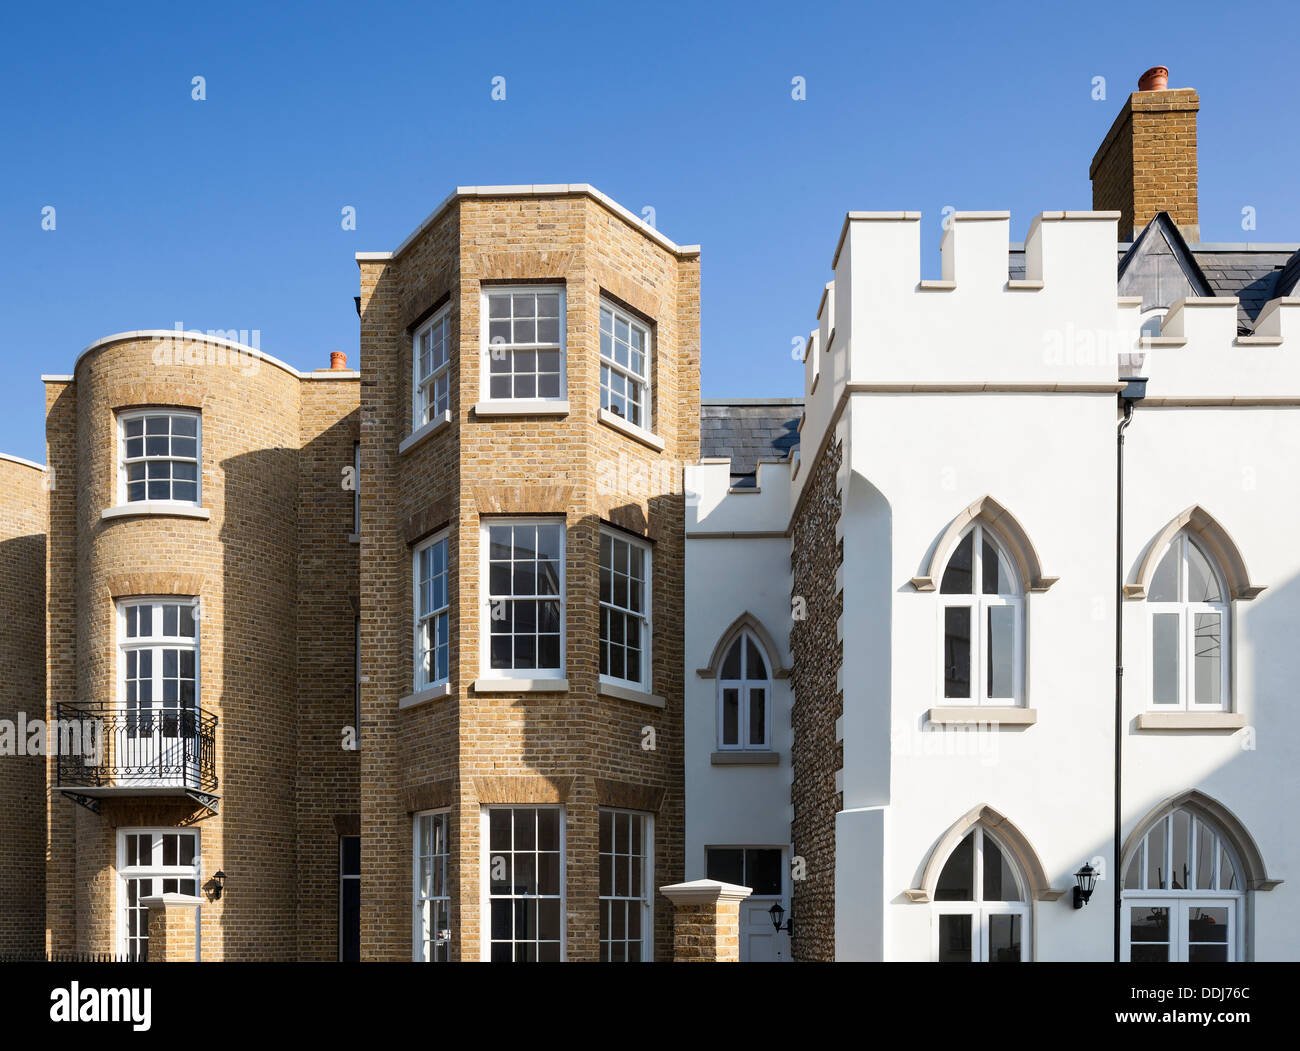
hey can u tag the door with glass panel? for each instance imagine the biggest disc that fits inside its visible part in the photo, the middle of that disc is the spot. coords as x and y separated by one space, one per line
159 739
981 913
1183 895
763 870
150 862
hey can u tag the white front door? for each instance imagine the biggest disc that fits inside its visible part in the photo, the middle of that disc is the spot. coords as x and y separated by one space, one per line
760 942
763 869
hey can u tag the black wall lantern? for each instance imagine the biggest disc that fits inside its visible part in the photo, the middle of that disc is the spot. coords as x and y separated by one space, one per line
1085 879
776 912
218 884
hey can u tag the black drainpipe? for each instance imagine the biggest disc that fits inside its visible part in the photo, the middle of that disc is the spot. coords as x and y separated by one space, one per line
1134 390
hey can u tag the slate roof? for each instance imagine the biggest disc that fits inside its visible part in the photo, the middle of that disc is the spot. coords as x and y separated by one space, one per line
748 431
1254 273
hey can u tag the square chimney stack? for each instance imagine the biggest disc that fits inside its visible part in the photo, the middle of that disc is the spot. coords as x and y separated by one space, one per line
1147 161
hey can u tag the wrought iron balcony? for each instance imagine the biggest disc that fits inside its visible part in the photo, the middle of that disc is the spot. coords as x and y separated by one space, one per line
104 750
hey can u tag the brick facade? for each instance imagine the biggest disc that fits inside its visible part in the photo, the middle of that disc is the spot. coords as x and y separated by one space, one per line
275 576
1147 162
22 695
818 753
578 748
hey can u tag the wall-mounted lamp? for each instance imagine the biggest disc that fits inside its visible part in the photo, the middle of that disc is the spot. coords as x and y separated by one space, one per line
777 913
1085 879
218 885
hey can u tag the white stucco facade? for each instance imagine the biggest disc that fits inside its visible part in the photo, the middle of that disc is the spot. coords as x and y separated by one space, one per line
975 400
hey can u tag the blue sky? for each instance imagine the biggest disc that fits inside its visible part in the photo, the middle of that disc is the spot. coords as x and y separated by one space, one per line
225 213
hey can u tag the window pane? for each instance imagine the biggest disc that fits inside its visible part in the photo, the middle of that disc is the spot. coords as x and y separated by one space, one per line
1208 657
726 864
731 716
757 716
956 641
1004 938
999 879
1133 877
1164 583
997 578
1157 867
1149 934
1206 841
957 577
1001 651
1202 584
957 880
1182 852
954 939
731 666
763 871
1164 657
755 666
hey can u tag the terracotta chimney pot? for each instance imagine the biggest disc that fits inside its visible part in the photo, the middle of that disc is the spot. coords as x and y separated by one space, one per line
1154 79
338 359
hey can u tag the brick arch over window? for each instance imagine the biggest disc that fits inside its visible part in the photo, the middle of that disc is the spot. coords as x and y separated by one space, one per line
1221 820
1007 835
1002 524
1218 544
745 622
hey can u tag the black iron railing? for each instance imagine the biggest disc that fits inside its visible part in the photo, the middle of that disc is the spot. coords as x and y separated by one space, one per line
67 957
104 746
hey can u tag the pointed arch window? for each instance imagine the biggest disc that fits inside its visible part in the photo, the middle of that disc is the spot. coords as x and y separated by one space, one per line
745 696
1183 893
981 910
1187 602
983 623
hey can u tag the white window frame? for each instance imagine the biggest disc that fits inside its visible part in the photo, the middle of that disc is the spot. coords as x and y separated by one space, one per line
1180 905
642 382
1186 612
979 604
486 671
441 815
647 880
485 342
418 670
424 389
646 626
123 497
485 869
156 642
744 684
979 910
156 870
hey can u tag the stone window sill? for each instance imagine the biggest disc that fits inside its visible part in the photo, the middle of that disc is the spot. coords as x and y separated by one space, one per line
147 507
1191 721
535 407
624 693
521 685
982 715
743 758
640 434
421 434
425 696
